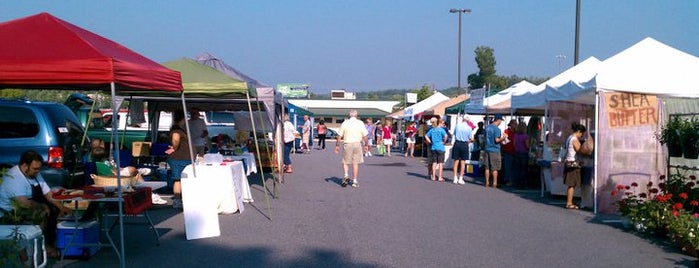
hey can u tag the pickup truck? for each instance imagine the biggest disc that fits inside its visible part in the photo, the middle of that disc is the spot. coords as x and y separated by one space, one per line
100 126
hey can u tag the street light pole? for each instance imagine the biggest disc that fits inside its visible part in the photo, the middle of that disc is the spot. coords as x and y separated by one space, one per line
459 11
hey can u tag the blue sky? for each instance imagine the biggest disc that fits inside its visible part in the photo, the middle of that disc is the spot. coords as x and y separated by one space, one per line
365 45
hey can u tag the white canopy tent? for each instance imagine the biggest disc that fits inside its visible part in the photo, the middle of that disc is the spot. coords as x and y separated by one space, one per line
411 111
648 67
502 101
536 97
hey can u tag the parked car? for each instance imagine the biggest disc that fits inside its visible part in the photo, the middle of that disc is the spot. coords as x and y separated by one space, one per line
329 134
50 129
220 122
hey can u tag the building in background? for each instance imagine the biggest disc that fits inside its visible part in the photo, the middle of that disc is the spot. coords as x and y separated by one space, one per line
334 112
341 94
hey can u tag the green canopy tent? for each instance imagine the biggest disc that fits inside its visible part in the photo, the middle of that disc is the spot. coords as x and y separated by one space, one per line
209 89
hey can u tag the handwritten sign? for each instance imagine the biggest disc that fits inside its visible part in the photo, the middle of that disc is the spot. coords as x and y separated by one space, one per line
631 109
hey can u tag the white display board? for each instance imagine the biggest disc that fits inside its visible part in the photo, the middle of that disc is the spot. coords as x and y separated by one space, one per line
200 211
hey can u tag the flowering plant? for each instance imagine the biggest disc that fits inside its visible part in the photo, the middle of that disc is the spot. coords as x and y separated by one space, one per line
671 207
645 210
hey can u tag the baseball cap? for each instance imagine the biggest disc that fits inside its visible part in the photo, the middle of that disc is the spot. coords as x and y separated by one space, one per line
497 117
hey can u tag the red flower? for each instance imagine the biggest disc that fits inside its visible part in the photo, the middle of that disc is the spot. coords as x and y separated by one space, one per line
642 195
684 195
675 213
614 192
668 196
694 203
634 184
620 187
662 177
696 215
677 206
650 183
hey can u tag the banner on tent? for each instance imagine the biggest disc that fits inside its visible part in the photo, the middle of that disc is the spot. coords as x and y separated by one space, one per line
631 109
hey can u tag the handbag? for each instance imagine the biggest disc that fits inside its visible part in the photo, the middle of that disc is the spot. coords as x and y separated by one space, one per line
572 164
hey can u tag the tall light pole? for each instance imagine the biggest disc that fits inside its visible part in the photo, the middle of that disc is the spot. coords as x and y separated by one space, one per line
459 11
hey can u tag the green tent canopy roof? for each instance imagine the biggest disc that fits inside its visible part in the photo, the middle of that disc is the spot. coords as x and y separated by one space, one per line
203 81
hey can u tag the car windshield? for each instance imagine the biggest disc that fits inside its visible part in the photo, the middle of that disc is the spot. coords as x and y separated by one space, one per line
224 118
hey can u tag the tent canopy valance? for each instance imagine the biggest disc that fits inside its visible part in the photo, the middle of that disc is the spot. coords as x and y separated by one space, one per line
45 52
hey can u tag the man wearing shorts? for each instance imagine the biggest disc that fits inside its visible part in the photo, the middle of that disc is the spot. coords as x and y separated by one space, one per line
462 136
352 133
492 161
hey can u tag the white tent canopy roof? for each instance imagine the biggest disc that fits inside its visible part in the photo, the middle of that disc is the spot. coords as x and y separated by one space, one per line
503 99
650 67
536 97
425 104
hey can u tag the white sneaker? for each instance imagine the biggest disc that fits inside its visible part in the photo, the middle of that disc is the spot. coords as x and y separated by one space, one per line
157 200
456 180
461 181
355 184
144 171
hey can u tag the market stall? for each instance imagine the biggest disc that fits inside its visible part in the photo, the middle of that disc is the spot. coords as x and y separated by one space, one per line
49 53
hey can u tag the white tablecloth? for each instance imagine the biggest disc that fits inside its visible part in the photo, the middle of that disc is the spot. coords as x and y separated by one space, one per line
248 158
229 185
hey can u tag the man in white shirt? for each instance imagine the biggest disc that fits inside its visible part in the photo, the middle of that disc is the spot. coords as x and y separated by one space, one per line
199 132
23 189
352 132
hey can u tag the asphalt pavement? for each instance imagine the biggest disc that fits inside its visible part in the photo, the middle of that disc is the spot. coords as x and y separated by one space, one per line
396 218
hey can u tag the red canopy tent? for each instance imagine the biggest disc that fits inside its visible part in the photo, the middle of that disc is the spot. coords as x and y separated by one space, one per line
44 52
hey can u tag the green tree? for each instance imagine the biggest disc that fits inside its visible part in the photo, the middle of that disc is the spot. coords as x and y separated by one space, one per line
423 93
372 96
485 59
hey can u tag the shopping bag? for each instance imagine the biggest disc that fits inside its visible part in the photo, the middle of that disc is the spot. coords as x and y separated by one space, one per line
382 149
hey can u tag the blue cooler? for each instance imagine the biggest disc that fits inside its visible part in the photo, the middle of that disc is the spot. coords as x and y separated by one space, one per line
86 241
473 169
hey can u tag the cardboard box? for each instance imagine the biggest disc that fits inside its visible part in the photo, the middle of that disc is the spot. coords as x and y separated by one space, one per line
86 240
140 148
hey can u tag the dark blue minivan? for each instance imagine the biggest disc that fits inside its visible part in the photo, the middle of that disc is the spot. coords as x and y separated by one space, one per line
52 130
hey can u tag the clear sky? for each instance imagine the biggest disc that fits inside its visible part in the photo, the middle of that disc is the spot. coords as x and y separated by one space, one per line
362 45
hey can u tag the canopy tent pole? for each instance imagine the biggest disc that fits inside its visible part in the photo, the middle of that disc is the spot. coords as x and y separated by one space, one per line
257 150
274 141
545 147
596 151
120 192
189 136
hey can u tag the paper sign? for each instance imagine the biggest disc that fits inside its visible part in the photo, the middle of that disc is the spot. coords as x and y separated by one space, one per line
631 109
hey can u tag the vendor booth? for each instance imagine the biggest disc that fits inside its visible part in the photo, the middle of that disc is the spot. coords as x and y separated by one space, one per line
49 53
624 105
631 106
